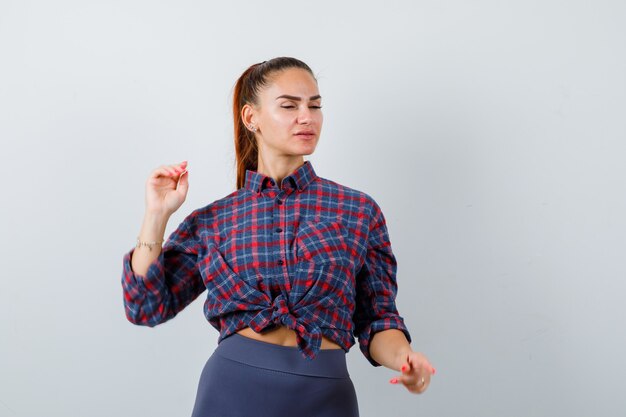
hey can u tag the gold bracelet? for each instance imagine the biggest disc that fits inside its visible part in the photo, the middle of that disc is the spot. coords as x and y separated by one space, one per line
148 244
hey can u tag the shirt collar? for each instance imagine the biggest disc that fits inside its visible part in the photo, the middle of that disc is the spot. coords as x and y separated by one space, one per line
299 179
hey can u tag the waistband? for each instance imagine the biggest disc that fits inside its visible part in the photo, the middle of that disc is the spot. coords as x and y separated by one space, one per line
328 363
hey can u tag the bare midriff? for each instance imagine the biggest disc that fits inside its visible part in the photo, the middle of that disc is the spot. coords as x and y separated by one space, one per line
283 336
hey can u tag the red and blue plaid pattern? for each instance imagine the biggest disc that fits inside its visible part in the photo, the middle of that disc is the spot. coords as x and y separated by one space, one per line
311 255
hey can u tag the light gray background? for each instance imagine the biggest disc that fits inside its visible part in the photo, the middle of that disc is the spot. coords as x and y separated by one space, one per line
491 133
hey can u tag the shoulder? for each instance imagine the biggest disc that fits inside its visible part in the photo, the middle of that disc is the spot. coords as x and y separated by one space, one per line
365 201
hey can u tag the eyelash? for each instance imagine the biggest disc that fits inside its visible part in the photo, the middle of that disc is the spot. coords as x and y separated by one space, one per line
293 107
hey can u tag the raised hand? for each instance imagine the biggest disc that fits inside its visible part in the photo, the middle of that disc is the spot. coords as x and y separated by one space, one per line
166 189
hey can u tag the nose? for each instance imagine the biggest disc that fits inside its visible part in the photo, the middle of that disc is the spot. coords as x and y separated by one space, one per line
304 115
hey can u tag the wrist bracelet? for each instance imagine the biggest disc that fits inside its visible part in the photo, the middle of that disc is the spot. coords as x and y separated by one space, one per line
148 244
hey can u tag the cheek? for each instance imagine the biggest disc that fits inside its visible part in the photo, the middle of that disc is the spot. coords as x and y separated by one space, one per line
280 121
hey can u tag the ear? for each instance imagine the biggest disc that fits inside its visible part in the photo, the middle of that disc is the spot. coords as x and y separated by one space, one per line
248 115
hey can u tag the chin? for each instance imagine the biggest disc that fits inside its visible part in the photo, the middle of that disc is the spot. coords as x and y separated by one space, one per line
308 150
303 148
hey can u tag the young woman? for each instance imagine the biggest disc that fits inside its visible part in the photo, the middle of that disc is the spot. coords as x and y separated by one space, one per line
294 265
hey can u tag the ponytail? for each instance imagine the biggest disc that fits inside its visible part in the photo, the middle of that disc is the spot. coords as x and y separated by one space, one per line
246 150
246 91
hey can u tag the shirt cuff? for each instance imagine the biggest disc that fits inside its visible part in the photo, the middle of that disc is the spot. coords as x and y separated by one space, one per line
152 281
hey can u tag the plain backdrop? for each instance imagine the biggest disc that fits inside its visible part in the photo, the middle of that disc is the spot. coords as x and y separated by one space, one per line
491 133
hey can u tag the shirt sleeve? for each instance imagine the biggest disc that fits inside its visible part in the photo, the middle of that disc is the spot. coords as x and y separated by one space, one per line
376 287
171 283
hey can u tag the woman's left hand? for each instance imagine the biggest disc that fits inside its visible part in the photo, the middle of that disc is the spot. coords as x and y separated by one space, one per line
416 372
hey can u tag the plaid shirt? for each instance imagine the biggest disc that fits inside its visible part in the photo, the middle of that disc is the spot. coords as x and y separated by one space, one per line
311 255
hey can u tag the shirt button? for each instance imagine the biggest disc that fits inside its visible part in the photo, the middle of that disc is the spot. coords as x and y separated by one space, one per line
280 262
278 201
278 230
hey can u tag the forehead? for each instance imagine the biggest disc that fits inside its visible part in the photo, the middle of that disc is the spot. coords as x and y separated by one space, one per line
292 81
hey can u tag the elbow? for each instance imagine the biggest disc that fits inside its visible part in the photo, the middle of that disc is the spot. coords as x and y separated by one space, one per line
139 318
146 317
145 309
136 309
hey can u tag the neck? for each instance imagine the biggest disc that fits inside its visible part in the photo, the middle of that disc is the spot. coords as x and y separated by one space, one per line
279 167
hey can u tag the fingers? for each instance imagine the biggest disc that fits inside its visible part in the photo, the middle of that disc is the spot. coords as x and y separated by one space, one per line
166 188
415 380
416 373
174 171
183 182
418 360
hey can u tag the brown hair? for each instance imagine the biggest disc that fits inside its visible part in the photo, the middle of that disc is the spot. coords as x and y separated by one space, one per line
246 91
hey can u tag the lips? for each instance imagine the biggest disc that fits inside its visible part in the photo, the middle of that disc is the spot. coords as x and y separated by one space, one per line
305 133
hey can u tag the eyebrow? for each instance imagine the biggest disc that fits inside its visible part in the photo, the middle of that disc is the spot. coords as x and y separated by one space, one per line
298 98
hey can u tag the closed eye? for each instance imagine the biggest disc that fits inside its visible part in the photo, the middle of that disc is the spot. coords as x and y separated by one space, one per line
291 106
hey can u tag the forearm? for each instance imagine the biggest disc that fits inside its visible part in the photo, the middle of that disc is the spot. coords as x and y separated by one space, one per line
146 298
152 230
389 348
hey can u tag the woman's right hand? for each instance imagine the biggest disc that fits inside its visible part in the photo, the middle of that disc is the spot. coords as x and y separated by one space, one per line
166 189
